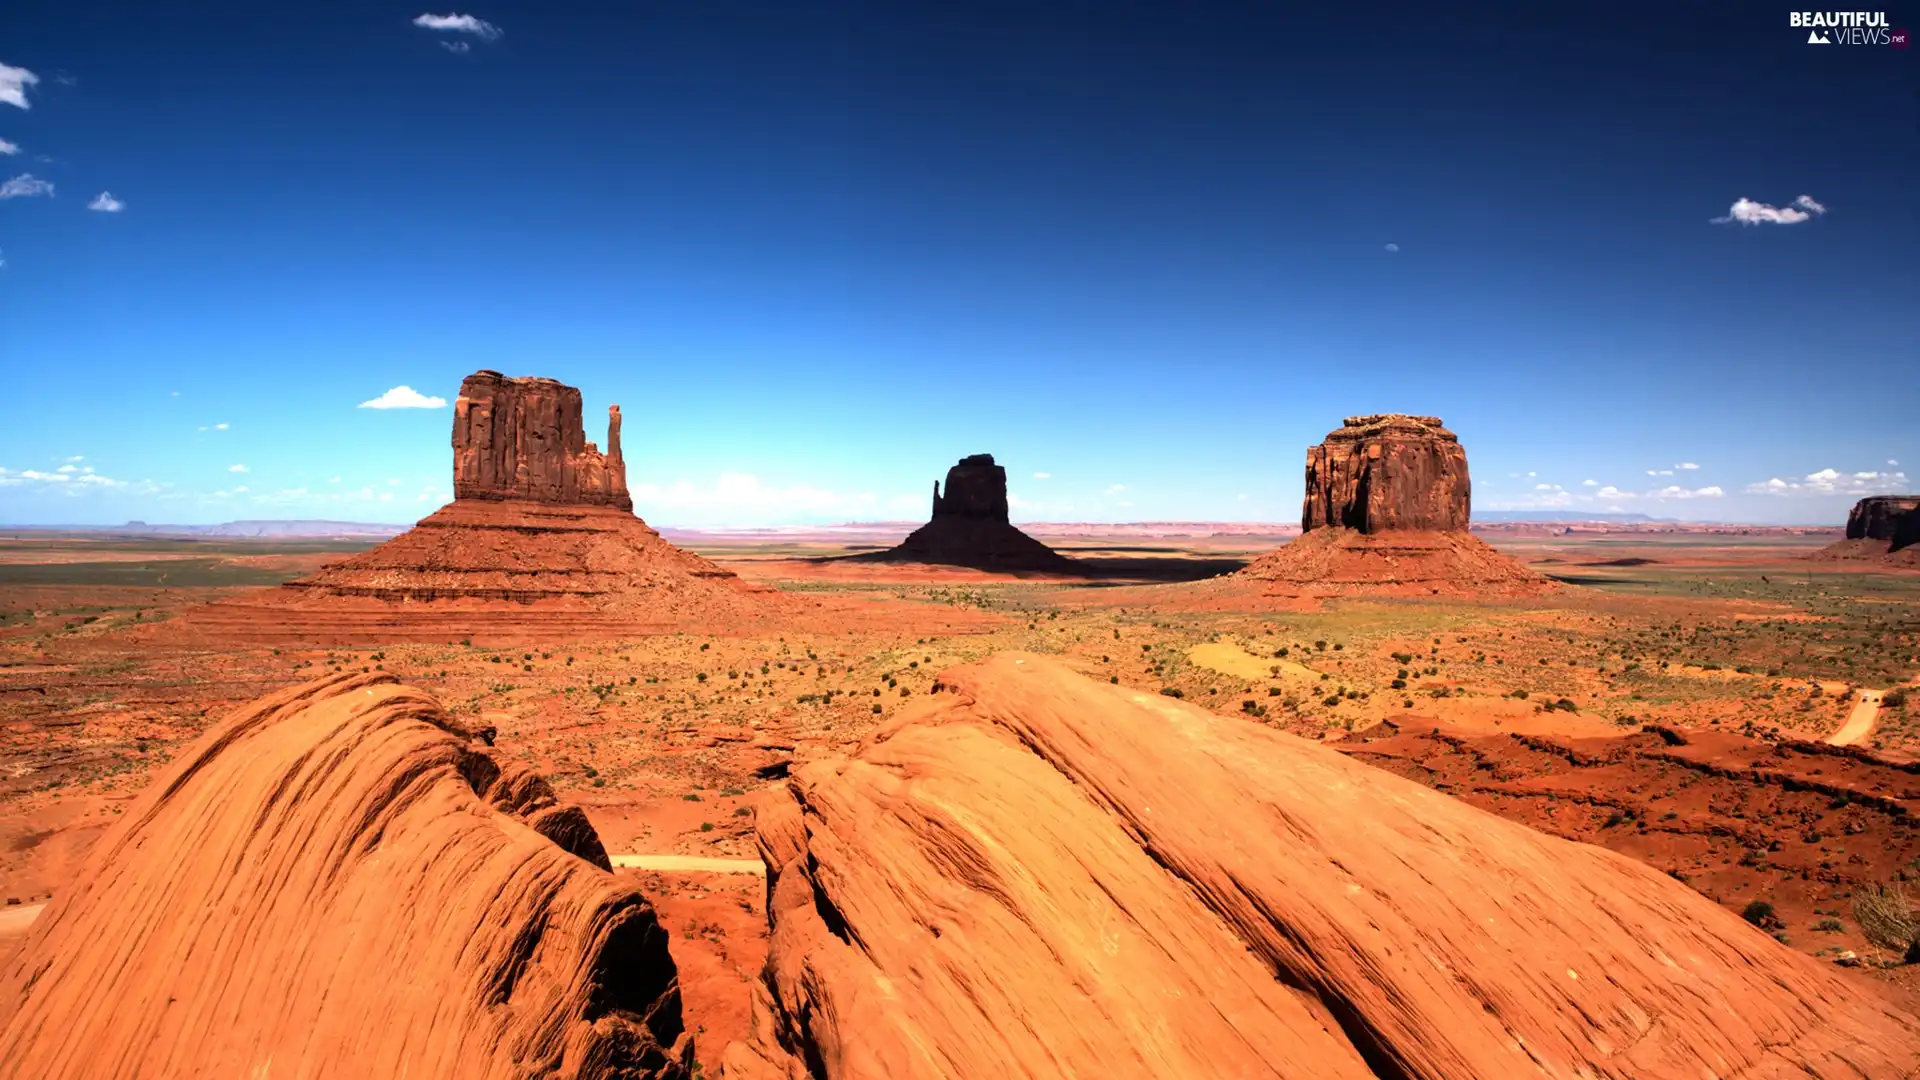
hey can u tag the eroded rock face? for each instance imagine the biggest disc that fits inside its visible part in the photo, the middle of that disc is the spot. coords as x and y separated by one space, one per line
1882 516
976 488
340 881
1385 472
523 439
1038 875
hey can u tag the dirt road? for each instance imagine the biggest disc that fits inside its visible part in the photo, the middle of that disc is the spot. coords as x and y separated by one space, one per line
1859 725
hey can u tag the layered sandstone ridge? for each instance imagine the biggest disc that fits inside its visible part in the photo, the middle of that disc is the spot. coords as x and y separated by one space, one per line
969 527
524 439
1038 875
339 880
1388 471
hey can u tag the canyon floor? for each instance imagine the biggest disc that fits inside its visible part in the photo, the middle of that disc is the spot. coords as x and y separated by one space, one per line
1711 703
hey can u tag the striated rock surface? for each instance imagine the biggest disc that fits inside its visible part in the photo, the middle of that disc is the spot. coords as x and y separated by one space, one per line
1388 471
969 527
540 542
523 439
1038 875
338 880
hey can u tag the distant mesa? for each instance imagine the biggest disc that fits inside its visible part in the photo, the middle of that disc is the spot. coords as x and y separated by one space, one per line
1038 874
969 527
1884 528
539 541
342 880
1388 502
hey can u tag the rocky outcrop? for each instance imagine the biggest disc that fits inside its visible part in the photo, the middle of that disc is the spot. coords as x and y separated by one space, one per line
1038 875
1387 506
340 880
1388 471
976 488
523 439
969 527
1883 528
1880 517
539 542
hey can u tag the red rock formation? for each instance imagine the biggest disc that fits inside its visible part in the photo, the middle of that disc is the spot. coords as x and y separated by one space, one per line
969 527
1880 517
1883 528
523 439
1386 512
540 542
1388 471
1038 875
338 880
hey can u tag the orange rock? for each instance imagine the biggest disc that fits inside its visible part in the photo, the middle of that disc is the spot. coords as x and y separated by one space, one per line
1038 875
337 882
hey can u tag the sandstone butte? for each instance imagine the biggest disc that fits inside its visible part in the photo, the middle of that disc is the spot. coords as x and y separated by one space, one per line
339 880
540 540
969 527
1883 527
1387 505
1034 875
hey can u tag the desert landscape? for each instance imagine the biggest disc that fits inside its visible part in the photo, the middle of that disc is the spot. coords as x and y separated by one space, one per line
892 541
1724 710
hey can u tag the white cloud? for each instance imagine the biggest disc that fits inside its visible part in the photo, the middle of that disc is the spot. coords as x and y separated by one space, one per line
404 397
173 393
13 86
457 46
221 427
76 457
333 480
1686 465
26 185
8 148
393 481
459 24
1659 472
1834 482
1546 487
1532 474
1116 489
106 203
1043 476
1890 461
236 468
65 481
67 469
240 489
1747 212
1589 483
1393 247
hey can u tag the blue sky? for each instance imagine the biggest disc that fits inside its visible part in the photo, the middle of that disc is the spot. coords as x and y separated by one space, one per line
819 251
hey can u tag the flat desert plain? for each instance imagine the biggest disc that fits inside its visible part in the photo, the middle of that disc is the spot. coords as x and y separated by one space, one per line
1708 701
